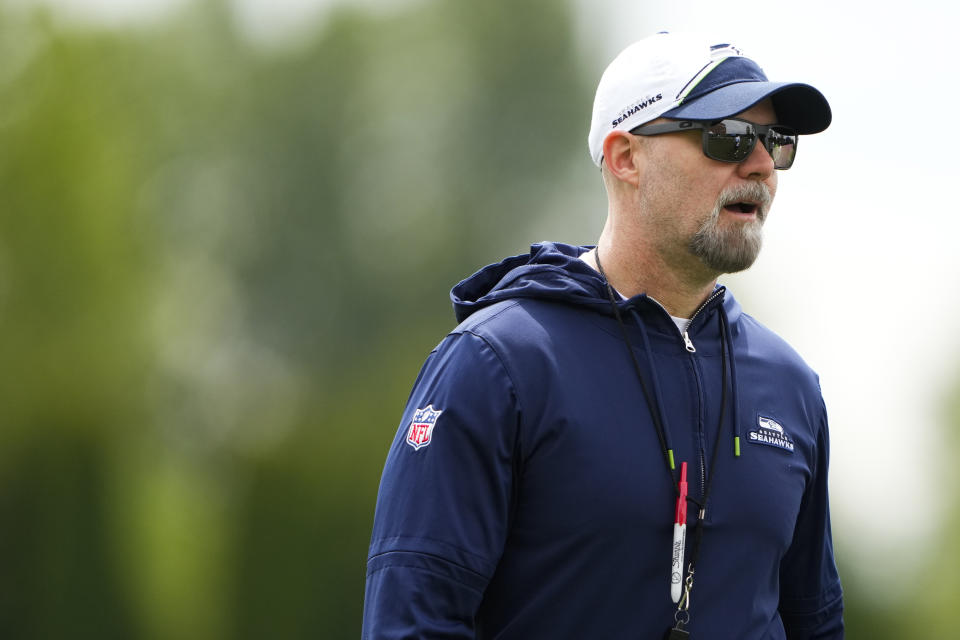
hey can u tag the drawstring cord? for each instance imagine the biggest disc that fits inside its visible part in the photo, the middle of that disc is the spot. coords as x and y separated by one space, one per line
659 420
656 383
728 337
655 410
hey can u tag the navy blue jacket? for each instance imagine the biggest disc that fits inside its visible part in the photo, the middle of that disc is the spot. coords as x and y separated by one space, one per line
526 494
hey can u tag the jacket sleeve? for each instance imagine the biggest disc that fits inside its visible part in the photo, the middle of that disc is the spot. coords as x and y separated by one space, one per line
811 598
445 496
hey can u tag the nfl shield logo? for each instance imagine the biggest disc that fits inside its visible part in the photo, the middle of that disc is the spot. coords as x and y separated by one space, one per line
421 427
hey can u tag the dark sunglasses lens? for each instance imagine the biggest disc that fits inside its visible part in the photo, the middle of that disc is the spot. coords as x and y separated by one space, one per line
782 145
730 141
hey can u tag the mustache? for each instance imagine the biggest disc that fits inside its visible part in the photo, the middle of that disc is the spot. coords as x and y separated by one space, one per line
755 192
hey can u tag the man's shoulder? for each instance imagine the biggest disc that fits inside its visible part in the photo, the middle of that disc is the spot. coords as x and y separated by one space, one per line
763 343
521 328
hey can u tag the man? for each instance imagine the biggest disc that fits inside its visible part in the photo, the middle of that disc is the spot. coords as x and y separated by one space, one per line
538 484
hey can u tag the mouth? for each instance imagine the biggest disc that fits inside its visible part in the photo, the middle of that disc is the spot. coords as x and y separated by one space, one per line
744 207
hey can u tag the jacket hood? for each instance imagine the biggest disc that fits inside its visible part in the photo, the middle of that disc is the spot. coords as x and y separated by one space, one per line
551 271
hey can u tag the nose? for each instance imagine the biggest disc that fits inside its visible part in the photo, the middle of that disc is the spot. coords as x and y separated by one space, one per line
758 165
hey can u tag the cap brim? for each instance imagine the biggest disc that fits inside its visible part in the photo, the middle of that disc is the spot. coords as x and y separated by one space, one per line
798 105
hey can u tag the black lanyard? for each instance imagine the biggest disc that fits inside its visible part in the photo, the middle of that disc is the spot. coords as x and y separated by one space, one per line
682 616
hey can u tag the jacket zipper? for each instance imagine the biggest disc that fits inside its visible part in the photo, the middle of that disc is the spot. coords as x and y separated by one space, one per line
691 349
688 344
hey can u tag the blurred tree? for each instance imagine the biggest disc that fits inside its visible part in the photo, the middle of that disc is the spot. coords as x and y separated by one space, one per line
393 155
220 268
74 283
937 589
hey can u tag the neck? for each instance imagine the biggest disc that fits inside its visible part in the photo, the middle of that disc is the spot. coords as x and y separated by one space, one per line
634 268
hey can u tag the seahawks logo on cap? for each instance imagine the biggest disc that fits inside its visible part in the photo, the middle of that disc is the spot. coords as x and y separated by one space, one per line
718 50
770 433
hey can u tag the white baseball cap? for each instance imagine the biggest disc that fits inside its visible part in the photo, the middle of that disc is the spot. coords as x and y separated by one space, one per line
685 76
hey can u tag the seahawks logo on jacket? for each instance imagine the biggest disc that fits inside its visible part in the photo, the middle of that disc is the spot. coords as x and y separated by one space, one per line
771 433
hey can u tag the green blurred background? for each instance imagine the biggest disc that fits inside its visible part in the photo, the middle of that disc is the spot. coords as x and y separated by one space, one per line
222 263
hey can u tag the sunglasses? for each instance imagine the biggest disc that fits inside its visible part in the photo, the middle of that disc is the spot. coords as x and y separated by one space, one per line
733 140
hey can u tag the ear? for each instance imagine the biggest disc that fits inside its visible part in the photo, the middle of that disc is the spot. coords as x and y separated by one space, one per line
619 155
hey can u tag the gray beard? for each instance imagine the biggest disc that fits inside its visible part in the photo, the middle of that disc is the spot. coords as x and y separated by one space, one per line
735 248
